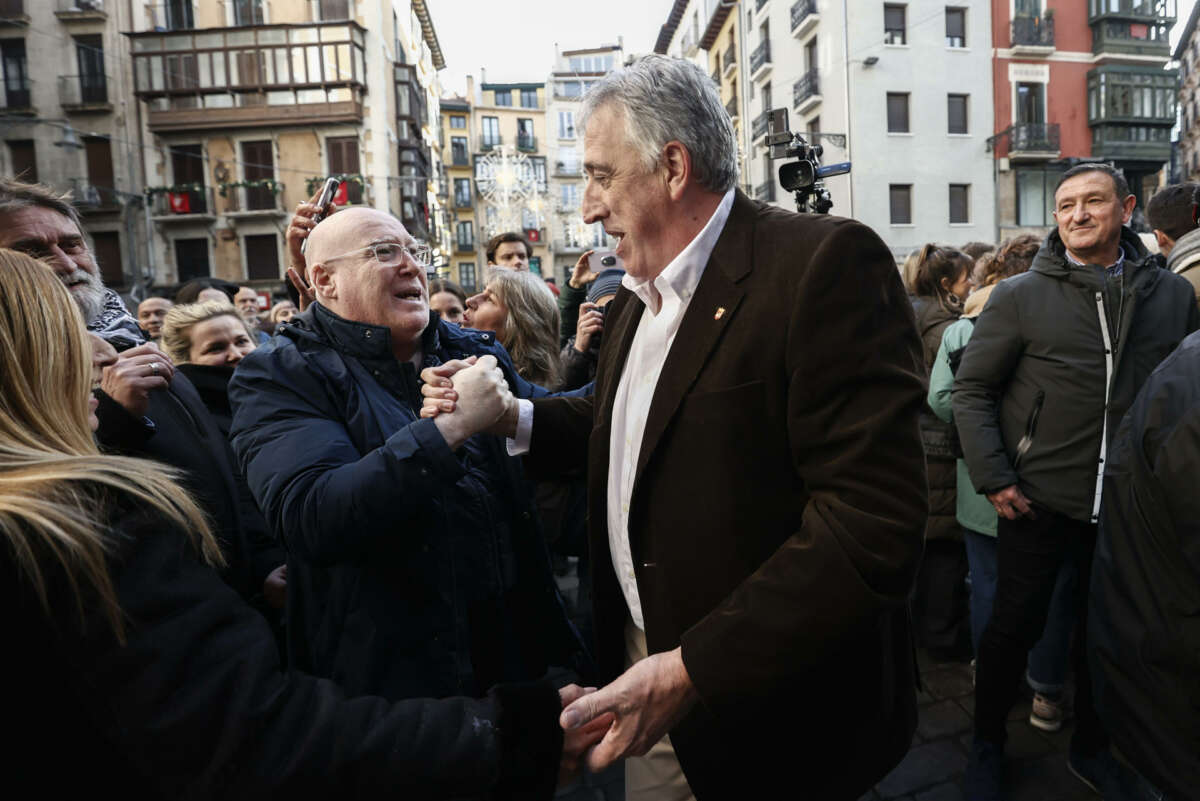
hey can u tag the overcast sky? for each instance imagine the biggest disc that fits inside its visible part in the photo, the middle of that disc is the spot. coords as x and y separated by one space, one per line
515 39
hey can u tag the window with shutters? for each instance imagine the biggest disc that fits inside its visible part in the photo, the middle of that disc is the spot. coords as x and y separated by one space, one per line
897 112
529 98
466 276
187 167
335 9
262 256
503 97
895 31
900 204
22 158
258 164
956 113
343 160
191 258
956 27
107 249
98 150
960 204
93 85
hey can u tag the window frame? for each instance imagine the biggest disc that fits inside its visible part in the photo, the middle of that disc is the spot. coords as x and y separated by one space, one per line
956 42
966 113
907 190
888 32
966 204
905 96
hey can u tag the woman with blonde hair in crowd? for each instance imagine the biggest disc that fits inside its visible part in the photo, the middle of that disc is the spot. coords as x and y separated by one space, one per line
522 311
141 674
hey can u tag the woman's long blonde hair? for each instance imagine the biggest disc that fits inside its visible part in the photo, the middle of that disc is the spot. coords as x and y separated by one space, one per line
530 333
54 483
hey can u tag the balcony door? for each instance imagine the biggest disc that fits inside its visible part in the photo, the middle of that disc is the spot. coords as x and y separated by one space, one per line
258 164
179 15
16 74
247 12
1031 104
343 160
93 87
187 167
100 167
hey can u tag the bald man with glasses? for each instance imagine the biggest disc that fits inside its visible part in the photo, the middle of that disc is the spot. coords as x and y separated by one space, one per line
415 566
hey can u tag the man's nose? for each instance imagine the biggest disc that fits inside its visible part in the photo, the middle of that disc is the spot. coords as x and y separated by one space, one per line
62 263
592 208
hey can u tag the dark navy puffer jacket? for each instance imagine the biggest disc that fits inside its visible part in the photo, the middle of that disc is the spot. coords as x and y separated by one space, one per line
413 570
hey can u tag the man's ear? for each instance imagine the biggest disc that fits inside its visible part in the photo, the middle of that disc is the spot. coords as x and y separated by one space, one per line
322 281
1165 242
677 167
1127 209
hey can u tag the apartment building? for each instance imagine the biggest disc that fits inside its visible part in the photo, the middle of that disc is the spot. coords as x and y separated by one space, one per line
247 106
510 160
74 127
1187 53
575 71
1074 81
465 259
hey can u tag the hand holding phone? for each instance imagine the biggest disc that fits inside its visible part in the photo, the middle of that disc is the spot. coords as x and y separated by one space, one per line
601 260
322 202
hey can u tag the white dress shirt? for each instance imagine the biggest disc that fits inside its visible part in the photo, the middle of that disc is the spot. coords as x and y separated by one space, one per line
666 299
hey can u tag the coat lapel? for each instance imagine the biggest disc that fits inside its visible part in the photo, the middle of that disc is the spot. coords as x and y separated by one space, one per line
627 311
709 313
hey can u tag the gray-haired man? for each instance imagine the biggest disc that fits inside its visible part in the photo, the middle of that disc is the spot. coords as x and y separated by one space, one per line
756 492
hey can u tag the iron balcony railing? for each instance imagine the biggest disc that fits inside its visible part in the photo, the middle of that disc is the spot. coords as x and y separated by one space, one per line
1039 137
806 87
801 10
178 201
1033 32
464 243
526 142
81 9
759 127
487 142
760 56
82 90
260 195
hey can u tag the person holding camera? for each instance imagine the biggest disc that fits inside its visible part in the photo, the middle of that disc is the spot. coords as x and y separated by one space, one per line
581 352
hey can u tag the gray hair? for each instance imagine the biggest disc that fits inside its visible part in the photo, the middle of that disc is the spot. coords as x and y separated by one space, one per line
16 195
669 99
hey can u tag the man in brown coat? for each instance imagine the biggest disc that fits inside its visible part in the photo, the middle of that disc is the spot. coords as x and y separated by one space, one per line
755 473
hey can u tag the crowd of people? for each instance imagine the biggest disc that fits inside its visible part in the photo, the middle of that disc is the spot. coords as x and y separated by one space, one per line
318 549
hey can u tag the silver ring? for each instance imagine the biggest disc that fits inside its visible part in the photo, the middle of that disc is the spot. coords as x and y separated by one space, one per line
154 368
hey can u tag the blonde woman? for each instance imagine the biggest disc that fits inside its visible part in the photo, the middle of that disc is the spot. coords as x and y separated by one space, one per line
522 311
138 672
208 332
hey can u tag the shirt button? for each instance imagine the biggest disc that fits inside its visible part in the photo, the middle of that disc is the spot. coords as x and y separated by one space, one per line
631 575
367 334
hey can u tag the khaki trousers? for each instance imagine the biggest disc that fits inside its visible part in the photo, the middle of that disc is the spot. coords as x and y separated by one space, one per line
657 775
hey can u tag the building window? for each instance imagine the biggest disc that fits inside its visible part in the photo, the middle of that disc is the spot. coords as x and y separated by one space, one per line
894 28
332 9
766 96
900 203
179 15
960 203
191 258
503 97
108 255
1031 103
897 112
525 138
466 276
187 167
491 132
569 195
1035 196
458 150
248 12
16 75
956 27
102 187
343 160
529 98
462 192
956 113
458 122
89 50
539 171
262 257
22 158
566 125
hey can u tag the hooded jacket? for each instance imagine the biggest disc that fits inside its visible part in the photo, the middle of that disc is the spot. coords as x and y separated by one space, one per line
413 570
1144 629
937 436
1046 379
1185 259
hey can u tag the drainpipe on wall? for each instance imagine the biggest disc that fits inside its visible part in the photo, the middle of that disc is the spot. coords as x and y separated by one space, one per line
846 99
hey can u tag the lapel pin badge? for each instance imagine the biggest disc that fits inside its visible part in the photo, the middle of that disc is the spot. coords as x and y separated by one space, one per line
720 313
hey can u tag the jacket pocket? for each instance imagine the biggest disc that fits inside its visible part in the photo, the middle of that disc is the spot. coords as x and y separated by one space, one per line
1031 424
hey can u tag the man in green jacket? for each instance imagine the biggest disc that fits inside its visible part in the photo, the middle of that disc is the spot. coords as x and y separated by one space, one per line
1055 360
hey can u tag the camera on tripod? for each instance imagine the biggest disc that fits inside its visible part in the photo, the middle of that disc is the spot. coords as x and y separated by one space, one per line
804 176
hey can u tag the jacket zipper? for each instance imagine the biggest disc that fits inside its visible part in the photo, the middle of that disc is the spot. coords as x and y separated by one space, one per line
1030 428
1108 371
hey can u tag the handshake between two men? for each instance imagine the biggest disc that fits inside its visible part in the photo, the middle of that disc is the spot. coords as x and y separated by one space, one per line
627 717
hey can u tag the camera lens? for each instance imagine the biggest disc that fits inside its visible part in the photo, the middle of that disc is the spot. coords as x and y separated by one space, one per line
609 261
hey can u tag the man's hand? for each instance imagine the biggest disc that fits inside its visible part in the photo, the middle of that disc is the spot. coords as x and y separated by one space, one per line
1011 503
301 226
576 742
591 322
647 700
275 587
137 373
484 400
582 274
437 387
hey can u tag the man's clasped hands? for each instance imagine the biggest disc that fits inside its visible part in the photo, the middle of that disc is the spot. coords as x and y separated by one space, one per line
601 726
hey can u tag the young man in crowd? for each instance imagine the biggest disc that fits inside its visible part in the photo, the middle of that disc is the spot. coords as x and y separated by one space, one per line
1056 358
509 250
1172 213
150 315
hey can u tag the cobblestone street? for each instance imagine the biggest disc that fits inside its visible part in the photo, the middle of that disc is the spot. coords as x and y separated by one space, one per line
933 770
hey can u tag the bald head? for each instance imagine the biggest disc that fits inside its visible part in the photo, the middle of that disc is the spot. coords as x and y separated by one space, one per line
352 228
